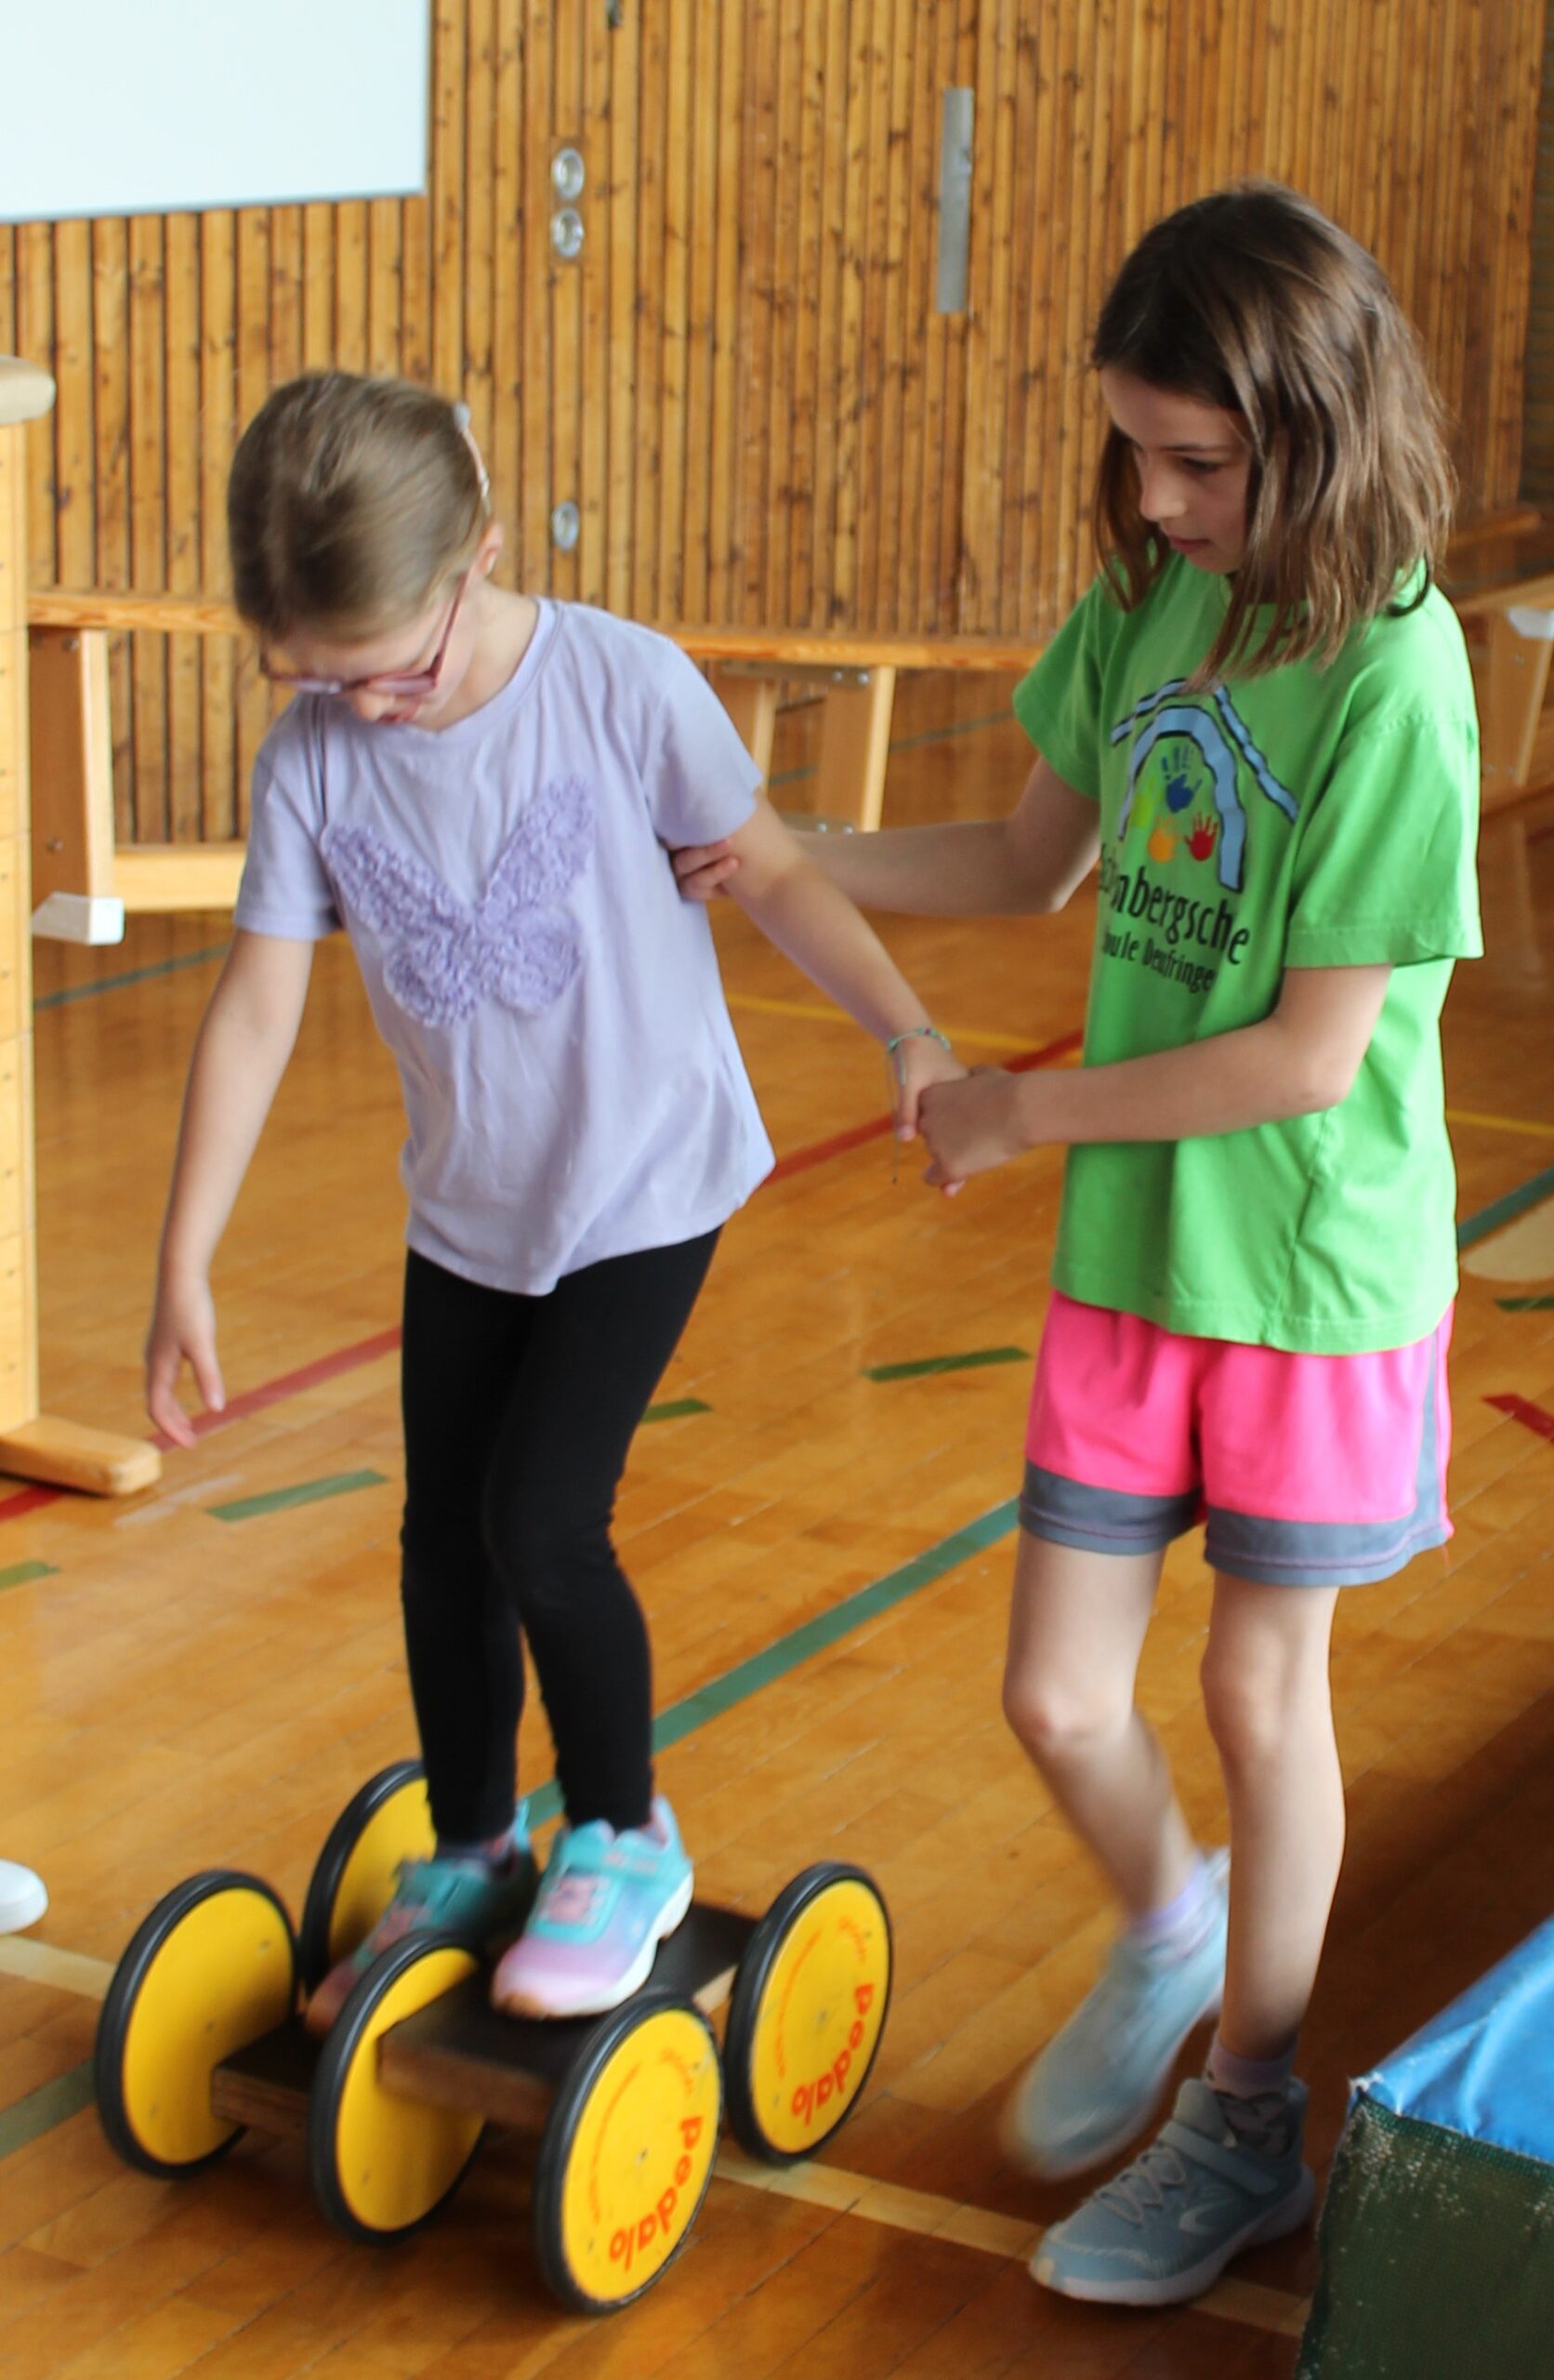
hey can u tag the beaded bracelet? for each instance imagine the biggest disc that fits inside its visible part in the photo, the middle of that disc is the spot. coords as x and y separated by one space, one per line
915 1033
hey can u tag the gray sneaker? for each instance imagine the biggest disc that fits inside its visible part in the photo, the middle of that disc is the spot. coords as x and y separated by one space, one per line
1098 2081
1170 2223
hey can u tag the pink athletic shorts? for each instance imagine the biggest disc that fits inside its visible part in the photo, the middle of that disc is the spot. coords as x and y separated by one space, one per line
1309 1471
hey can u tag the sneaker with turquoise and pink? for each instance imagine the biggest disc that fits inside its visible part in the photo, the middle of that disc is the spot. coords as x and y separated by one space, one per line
605 1902
481 1901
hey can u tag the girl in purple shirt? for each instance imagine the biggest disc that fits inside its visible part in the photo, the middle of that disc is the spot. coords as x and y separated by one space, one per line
478 788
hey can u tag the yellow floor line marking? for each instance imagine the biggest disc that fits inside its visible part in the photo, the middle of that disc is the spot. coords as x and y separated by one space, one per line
66 1970
830 2186
1245 2302
1500 1123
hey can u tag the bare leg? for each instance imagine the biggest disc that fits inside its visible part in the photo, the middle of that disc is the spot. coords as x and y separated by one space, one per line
1075 1632
1270 1709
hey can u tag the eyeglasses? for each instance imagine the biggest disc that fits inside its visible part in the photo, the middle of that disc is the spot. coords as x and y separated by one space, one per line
386 681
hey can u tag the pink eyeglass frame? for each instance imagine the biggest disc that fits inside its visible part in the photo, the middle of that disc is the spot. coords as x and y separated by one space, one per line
387 682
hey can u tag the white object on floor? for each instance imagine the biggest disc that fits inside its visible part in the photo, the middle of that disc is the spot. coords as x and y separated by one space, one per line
79 917
22 1897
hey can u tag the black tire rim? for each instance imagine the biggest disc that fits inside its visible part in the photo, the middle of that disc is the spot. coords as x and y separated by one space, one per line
745 2008
550 2169
118 2012
318 1909
341 2045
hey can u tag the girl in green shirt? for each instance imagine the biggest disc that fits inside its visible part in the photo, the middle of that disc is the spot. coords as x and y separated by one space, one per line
1261 723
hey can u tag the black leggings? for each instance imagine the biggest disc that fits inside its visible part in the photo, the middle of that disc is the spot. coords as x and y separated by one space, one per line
519 1414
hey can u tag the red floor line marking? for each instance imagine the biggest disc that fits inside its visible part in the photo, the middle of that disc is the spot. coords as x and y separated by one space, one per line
253 1400
31 1500
365 1350
800 1160
274 1391
1532 1416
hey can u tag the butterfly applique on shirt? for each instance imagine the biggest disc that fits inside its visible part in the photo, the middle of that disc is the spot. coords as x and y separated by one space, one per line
517 944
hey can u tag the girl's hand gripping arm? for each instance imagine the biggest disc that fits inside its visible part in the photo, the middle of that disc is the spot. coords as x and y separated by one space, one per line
1023 866
239 1056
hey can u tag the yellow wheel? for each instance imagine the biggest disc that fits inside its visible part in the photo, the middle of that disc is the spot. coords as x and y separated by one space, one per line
213 1967
382 2165
807 2012
627 2152
353 1880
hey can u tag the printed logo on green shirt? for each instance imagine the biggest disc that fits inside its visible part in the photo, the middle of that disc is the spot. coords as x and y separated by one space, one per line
1192 756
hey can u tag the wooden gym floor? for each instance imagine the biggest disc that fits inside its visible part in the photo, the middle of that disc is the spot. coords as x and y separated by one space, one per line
204 1676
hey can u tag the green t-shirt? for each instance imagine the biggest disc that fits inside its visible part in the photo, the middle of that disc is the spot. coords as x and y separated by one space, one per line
1310 817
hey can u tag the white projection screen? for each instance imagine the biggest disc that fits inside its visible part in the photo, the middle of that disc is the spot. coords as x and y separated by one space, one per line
138 107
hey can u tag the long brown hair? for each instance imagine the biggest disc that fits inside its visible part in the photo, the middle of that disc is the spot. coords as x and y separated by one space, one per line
350 504
1253 302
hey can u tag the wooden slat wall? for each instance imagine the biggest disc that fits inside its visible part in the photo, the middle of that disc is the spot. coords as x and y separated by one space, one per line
1537 453
742 382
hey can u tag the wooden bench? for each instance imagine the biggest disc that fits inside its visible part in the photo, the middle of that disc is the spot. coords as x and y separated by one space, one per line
1503 591
1500 577
74 858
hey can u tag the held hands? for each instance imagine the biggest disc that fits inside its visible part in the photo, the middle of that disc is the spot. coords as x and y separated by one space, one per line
183 1327
918 1062
972 1124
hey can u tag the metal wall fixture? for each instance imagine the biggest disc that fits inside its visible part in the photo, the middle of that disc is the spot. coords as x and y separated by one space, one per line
568 174
568 177
956 124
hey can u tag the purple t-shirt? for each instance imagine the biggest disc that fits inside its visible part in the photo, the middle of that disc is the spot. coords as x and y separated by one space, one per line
571 1080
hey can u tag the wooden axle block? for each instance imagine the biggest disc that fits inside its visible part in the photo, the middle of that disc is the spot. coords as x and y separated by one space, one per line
462 2054
266 2084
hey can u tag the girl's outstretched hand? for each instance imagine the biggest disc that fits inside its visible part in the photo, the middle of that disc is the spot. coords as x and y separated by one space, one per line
183 1327
919 1063
702 869
970 1125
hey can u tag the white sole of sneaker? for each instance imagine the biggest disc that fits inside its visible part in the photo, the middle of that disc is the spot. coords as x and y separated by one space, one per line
1177 2288
521 2003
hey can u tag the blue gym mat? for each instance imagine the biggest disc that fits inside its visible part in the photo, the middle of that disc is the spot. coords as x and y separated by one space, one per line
1485 2066
1437 2236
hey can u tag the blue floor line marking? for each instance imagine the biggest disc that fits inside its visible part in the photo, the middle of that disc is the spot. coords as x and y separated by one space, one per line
50 2104
816 1635
1505 1209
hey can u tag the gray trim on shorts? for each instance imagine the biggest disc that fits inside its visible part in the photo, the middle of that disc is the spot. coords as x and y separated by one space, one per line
1269 1552
1102 1520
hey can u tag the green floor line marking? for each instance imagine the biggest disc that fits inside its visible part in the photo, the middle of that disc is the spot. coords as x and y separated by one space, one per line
1505 1209
21 1574
131 976
50 2104
920 1370
1506 1305
678 1410
817 1635
312 1491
